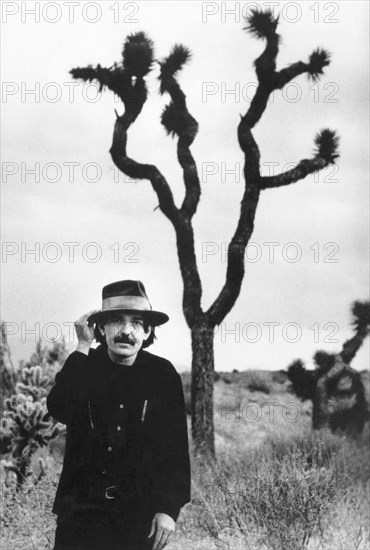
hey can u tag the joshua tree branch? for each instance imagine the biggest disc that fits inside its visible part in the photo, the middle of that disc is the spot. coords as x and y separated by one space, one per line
351 346
235 256
177 120
318 60
141 171
361 323
299 172
284 76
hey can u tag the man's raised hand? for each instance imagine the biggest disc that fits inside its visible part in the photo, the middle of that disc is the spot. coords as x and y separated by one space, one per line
85 332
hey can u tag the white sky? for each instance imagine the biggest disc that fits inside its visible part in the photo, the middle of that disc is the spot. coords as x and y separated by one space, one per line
75 129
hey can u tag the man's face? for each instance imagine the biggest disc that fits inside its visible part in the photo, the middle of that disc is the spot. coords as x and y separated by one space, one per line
124 334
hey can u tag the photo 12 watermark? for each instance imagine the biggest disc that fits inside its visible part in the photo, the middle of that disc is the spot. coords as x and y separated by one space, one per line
273 411
289 12
71 12
292 92
224 172
271 252
271 332
69 252
67 171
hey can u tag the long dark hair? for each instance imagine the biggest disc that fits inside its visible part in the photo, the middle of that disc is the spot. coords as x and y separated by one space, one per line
99 337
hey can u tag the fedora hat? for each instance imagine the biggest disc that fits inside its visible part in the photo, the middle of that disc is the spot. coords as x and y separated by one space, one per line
127 297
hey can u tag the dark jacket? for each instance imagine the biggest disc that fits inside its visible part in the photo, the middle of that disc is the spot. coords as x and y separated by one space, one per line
126 427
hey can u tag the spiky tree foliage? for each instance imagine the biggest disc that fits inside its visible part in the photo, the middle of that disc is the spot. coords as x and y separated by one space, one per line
318 60
327 143
179 123
361 314
261 24
172 64
126 79
137 55
26 424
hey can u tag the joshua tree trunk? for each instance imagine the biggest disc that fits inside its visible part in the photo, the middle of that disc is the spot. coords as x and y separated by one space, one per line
202 388
126 80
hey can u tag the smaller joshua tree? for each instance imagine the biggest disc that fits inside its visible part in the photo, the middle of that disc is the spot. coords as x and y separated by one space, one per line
26 425
336 389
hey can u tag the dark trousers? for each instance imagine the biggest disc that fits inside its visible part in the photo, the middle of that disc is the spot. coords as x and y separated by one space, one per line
102 529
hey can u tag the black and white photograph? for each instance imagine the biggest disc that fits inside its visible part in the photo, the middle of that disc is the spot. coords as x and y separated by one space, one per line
185 301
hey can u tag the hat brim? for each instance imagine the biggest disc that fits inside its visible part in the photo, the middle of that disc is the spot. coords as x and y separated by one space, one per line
154 318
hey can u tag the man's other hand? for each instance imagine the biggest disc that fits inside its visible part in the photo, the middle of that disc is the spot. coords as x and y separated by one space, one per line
163 526
85 332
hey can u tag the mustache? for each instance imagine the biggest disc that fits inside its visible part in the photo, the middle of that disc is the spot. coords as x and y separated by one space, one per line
123 339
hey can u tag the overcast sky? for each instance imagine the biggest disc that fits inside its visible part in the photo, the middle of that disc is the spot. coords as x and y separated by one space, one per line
292 302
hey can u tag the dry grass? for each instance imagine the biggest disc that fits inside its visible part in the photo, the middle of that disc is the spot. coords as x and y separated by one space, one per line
287 494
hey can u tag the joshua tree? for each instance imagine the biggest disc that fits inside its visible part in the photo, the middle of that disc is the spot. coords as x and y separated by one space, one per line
336 389
127 80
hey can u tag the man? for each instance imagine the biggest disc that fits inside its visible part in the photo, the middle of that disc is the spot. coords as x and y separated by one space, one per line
126 471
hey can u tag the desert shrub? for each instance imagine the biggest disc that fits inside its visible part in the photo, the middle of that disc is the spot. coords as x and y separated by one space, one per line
227 378
279 376
253 380
258 381
259 385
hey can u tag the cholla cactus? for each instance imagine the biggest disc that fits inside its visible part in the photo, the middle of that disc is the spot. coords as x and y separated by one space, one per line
26 424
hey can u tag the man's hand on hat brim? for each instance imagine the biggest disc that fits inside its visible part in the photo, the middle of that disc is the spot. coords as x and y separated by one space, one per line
84 327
